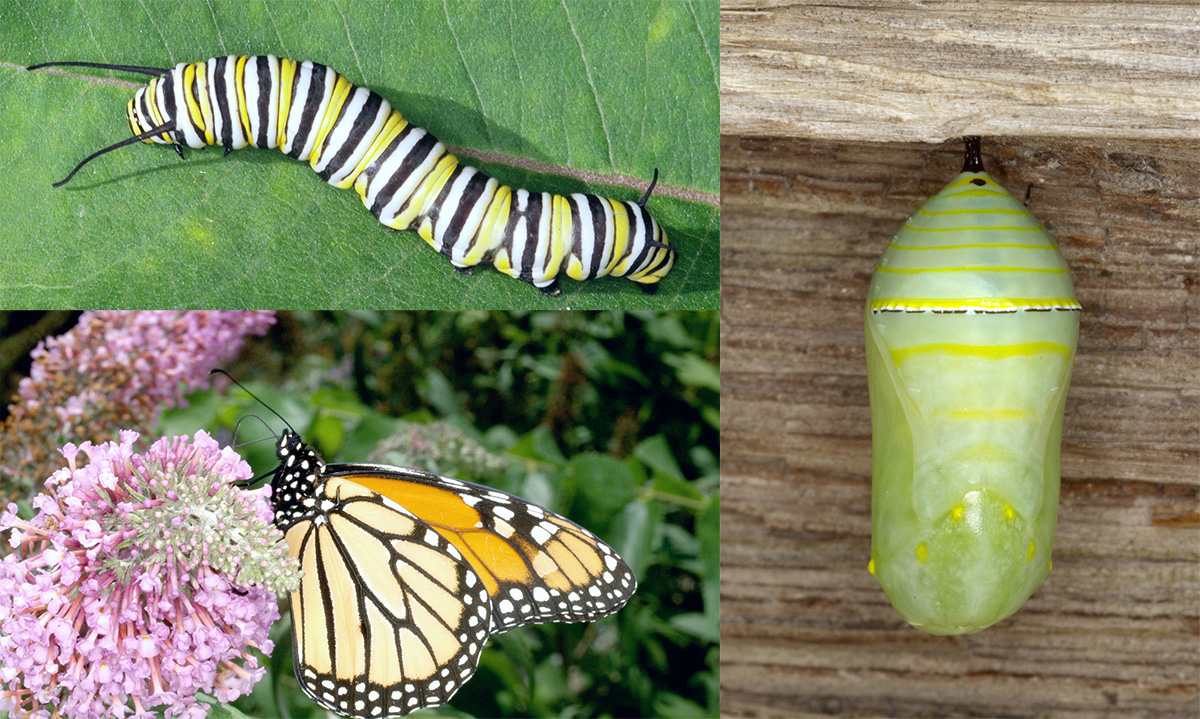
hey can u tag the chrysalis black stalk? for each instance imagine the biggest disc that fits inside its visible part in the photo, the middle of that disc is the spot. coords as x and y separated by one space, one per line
972 160
352 137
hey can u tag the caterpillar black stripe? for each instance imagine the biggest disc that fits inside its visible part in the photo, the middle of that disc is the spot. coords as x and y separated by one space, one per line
353 137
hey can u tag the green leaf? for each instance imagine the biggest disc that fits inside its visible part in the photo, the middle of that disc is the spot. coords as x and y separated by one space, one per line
605 482
667 704
221 711
708 531
656 453
695 371
702 625
559 96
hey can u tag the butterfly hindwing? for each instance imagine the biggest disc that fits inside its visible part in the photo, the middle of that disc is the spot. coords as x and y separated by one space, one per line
537 565
388 618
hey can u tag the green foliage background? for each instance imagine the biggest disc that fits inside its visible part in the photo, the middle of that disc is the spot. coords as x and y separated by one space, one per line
610 88
609 418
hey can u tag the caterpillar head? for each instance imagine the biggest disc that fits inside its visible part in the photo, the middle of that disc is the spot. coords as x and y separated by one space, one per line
151 113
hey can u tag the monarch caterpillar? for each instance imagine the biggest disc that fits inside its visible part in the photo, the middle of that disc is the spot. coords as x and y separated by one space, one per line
407 574
352 137
971 324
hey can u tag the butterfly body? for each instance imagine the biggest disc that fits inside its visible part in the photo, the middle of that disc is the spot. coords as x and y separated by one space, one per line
408 573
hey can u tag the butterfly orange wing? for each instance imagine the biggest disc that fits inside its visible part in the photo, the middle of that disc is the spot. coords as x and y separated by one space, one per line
537 566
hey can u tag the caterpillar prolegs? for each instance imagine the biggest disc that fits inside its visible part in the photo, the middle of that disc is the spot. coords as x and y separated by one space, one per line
971 325
352 137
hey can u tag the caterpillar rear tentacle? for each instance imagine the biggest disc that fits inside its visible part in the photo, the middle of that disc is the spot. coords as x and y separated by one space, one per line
352 137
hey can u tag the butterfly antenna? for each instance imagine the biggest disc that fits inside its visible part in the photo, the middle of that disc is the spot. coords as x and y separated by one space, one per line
236 428
255 398
653 182
165 127
272 436
101 66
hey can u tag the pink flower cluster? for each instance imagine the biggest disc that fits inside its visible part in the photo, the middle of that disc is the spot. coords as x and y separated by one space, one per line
143 580
162 354
114 369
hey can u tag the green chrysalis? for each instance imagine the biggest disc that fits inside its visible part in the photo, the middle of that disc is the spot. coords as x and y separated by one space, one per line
971 323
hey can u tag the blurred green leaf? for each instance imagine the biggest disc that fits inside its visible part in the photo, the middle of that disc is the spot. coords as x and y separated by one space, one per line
545 448
673 705
327 433
708 531
635 529
655 453
436 390
604 481
695 371
570 96
702 625
222 711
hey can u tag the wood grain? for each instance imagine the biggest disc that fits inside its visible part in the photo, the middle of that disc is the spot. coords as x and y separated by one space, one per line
889 70
1115 630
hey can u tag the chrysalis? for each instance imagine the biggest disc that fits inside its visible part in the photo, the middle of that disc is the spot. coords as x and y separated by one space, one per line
971 323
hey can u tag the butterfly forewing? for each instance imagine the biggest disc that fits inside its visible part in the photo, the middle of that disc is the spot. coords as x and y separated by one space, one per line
537 565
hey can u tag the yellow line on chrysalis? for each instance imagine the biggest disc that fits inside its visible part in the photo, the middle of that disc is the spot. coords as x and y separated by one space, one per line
919 270
983 245
972 228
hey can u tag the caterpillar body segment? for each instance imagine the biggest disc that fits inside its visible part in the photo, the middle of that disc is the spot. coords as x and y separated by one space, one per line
971 326
352 137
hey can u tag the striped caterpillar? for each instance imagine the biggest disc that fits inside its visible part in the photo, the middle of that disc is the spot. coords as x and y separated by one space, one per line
352 137
971 325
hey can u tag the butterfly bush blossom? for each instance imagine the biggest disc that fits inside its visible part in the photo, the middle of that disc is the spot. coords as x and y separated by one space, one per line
143 580
114 369
438 447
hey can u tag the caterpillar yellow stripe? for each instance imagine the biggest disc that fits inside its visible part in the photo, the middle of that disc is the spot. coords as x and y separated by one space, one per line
352 137
969 349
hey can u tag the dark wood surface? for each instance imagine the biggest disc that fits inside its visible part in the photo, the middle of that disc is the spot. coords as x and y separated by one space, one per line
1115 629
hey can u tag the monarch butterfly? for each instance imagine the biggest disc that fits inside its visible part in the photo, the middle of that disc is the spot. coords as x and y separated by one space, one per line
406 574
971 325
352 137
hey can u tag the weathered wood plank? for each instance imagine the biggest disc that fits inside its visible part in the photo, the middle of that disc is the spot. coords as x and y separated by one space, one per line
890 70
1115 630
